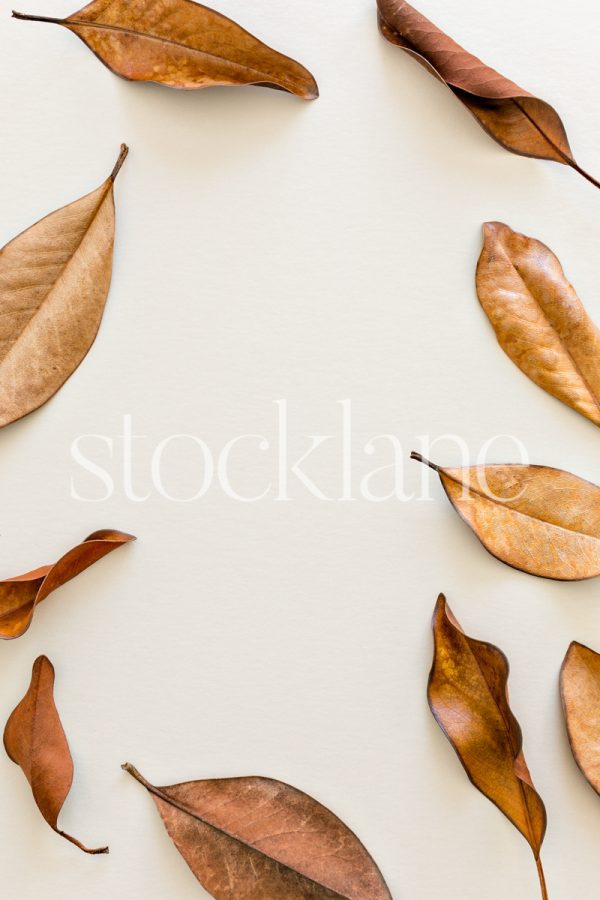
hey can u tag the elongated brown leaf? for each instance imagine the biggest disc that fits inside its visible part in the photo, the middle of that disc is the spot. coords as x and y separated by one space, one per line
580 693
19 596
182 45
35 740
513 117
538 318
54 280
541 520
468 696
254 838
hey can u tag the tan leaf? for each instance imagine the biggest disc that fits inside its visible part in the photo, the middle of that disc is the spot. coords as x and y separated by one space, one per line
580 693
54 280
34 739
538 318
468 696
541 520
254 838
512 116
20 596
182 45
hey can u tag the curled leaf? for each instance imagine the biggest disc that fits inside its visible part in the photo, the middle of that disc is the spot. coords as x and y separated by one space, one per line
537 519
35 740
54 280
580 694
181 44
19 596
513 117
254 838
538 318
468 696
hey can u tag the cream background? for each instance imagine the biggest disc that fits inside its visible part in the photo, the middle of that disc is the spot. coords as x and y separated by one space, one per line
272 249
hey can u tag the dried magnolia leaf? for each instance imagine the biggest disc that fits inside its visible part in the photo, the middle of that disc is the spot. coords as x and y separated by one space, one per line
468 696
540 520
538 318
252 838
19 596
513 117
580 693
182 45
54 280
35 740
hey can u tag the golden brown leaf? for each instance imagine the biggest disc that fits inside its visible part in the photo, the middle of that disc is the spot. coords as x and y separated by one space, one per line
54 280
538 318
253 838
580 693
468 696
181 44
513 117
19 596
35 740
541 520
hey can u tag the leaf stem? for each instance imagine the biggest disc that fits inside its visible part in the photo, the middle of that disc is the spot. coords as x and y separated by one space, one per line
28 18
542 878
426 462
120 161
585 174
81 846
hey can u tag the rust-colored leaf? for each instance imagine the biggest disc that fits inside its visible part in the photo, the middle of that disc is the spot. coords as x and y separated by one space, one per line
35 740
580 693
19 596
537 519
54 280
538 318
181 44
253 838
468 696
513 117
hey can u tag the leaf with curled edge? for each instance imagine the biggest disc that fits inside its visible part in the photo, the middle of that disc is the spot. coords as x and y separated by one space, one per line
539 320
54 280
580 695
537 519
20 596
513 117
468 696
181 44
253 838
34 739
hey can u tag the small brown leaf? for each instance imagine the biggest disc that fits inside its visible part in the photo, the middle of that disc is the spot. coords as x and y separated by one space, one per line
513 117
468 696
181 44
253 838
54 280
538 318
34 739
540 520
580 693
19 596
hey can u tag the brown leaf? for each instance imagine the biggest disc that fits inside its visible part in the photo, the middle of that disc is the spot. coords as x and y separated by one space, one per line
468 696
540 520
538 318
253 838
54 280
34 739
19 596
580 693
182 45
513 117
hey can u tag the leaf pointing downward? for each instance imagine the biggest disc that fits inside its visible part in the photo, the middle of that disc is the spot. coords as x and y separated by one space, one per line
54 280
255 838
513 117
182 45
541 520
19 596
538 318
34 739
580 693
468 697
